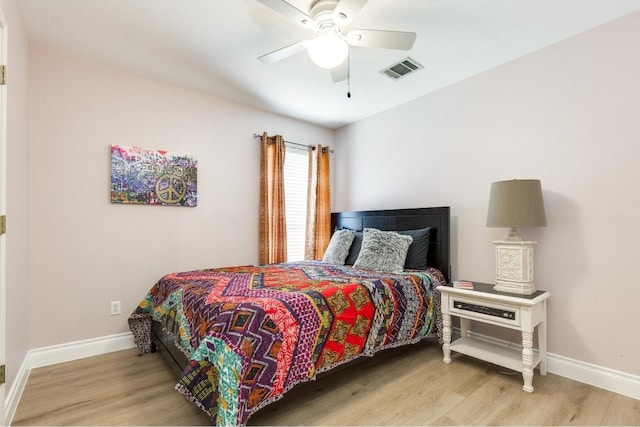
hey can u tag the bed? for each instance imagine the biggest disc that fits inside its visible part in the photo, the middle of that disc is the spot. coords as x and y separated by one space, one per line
241 337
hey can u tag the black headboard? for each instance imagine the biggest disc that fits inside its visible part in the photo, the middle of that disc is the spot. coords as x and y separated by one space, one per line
406 219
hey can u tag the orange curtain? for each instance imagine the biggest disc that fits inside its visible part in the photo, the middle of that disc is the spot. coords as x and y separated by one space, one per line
272 228
319 204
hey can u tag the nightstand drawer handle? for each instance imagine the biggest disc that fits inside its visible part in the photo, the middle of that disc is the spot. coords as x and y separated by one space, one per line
505 314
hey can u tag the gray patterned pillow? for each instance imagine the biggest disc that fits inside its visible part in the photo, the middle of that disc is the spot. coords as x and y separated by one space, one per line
383 251
338 248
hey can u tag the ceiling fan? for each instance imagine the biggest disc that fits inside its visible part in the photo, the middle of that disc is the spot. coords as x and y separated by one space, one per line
330 48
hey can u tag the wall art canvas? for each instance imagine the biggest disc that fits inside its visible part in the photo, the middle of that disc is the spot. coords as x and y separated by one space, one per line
153 177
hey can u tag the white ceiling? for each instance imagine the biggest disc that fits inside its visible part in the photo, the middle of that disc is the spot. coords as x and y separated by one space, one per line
212 45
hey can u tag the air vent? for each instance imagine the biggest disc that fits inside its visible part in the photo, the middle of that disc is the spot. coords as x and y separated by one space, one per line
402 68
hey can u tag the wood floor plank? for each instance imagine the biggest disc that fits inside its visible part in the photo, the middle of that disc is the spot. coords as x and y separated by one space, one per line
113 389
405 386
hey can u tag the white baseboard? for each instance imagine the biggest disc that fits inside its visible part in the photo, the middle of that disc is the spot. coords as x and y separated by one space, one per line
46 356
597 376
51 355
15 392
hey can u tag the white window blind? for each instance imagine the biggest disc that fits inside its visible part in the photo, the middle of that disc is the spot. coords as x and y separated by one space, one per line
296 171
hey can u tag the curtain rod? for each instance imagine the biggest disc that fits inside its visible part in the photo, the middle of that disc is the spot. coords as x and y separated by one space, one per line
255 135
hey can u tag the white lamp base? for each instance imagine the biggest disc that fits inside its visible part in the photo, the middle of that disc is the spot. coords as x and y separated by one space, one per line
519 288
514 267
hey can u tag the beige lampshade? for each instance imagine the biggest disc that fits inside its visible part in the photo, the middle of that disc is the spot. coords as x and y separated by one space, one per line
516 203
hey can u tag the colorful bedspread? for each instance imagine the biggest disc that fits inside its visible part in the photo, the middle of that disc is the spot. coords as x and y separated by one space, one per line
251 333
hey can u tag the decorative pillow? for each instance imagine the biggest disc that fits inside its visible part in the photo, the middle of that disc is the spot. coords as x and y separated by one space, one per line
418 250
355 249
383 251
338 248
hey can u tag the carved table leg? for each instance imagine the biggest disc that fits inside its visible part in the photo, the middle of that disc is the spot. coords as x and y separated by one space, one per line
527 361
446 337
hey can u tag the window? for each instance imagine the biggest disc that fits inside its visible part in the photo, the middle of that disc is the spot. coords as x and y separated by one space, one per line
296 171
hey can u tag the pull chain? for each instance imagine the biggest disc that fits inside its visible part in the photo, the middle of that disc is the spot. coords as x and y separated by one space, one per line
349 74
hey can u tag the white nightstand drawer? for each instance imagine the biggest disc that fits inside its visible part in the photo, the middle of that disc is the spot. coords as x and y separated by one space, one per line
485 310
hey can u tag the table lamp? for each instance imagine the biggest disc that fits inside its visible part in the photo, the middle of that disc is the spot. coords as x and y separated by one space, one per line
516 204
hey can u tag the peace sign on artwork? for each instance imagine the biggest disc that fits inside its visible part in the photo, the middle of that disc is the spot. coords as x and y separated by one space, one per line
171 189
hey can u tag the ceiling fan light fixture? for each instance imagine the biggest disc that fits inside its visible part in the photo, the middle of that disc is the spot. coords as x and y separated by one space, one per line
328 50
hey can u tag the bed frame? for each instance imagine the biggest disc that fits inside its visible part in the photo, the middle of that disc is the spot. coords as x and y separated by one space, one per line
438 219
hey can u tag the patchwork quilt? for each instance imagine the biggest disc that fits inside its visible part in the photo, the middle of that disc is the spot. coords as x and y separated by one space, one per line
251 333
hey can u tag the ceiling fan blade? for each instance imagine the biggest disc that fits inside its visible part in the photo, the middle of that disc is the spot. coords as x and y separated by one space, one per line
341 72
349 9
290 12
285 52
400 40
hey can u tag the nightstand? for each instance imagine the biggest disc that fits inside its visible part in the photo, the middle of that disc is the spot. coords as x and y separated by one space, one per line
482 304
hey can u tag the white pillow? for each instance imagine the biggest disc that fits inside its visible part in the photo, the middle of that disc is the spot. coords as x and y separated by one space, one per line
338 249
383 251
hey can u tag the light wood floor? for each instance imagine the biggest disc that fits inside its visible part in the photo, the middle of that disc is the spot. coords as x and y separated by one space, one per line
408 386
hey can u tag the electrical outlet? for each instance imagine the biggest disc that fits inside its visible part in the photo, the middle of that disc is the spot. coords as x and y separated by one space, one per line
115 308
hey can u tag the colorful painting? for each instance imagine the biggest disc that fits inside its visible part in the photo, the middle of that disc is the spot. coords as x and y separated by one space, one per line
153 177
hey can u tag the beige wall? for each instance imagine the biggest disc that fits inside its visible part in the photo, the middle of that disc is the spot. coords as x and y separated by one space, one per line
568 115
87 252
18 271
